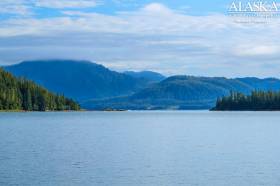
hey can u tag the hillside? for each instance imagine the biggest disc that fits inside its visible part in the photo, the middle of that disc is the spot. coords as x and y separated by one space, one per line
256 101
97 87
148 75
21 94
80 80
184 92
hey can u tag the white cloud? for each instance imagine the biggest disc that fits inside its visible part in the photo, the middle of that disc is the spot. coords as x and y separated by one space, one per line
153 18
16 7
257 50
60 4
25 7
156 8
153 37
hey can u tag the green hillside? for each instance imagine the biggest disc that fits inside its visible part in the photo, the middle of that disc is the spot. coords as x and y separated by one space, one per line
79 80
256 101
184 93
22 94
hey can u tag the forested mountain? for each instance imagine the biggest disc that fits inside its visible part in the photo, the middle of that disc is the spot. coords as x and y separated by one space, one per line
97 87
256 101
149 75
261 84
80 80
21 94
184 92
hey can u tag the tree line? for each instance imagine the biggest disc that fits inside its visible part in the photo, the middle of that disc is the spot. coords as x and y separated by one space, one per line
22 94
256 101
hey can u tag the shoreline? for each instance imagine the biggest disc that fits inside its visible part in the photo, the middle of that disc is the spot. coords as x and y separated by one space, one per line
65 111
25 111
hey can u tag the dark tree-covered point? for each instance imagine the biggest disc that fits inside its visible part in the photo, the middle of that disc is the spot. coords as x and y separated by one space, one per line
22 94
256 101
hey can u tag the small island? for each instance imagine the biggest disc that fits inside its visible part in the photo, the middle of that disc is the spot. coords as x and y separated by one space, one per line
256 101
19 94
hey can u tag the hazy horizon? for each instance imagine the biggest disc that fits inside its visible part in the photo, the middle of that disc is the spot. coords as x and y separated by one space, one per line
122 71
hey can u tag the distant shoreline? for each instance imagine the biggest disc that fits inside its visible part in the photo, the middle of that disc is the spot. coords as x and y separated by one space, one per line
65 111
7 111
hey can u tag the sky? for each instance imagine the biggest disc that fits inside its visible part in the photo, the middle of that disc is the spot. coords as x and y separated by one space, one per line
189 37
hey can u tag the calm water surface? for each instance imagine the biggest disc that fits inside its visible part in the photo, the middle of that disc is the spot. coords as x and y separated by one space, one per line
140 148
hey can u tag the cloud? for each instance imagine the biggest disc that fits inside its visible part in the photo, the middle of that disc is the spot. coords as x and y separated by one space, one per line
26 7
156 8
66 3
16 7
153 18
257 50
152 37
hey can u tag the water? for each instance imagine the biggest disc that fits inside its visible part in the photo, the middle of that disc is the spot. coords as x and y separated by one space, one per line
140 148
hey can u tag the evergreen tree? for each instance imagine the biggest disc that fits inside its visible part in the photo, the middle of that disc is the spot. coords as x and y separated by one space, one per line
21 94
257 101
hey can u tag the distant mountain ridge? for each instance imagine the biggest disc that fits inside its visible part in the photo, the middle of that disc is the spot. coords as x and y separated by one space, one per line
185 92
97 87
80 80
149 75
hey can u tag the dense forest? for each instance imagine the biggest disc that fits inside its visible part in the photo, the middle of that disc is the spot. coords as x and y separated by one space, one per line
183 93
96 87
256 101
92 81
22 94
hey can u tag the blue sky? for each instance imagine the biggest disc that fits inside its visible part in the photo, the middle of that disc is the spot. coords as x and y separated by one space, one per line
111 7
169 36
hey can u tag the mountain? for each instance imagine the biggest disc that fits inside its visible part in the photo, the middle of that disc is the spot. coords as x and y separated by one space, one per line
97 87
21 94
80 80
184 92
149 75
261 84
